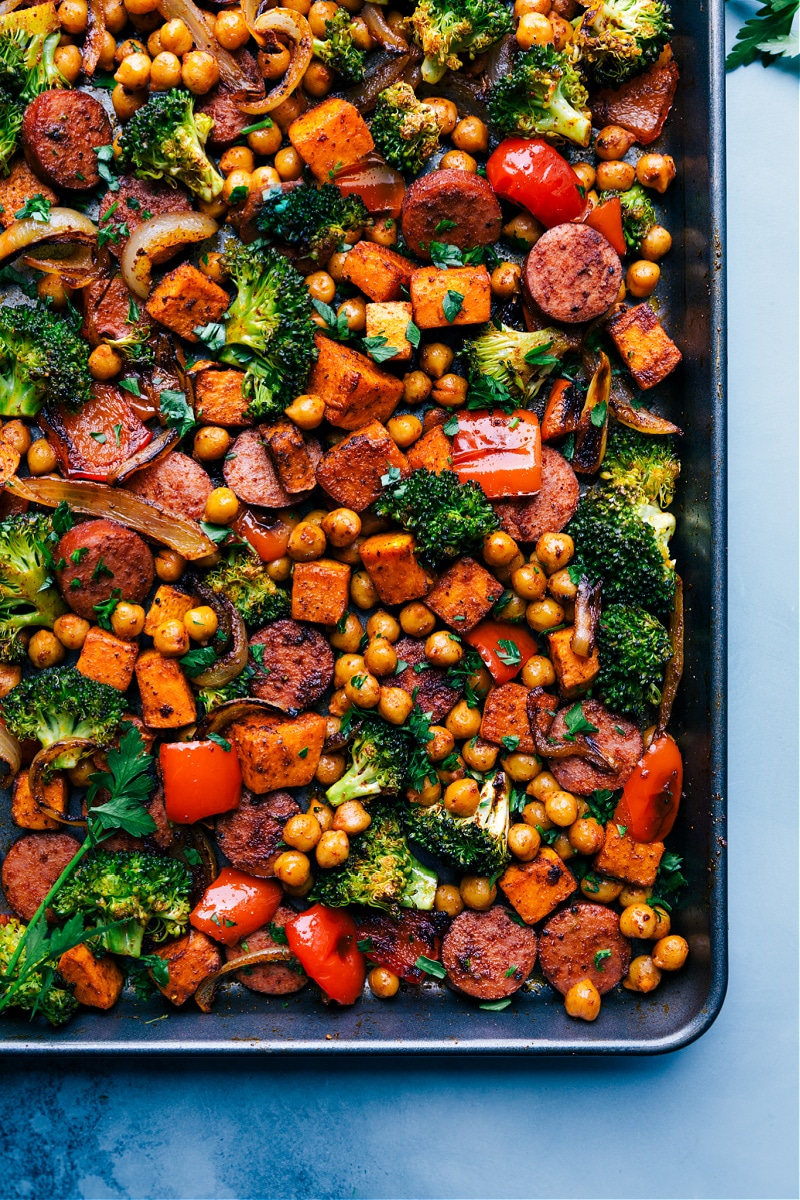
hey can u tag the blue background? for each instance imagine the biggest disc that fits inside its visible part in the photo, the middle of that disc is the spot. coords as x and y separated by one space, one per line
717 1120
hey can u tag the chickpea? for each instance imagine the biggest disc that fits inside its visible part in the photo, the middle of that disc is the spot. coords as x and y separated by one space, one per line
451 770
471 135
115 15
274 63
383 624
458 160
69 62
154 46
201 623
446 114
541 787
563 33
341 526
236 188
598 888
534 29
169 565
521 7
352 818
538 672
670 953
230 29
554 551
211 266
448 900
9 678
280 569
524 841
200 72
431 793
321 286
663 922
562 808
211 443
479 754
71 630
322 814
643 975
561 587
292 868
73 15
44 649
506 280
165 72
382 231
354 312
127 620
289 165
632 894
523 231
417 387
141 8
505 573
362 38
521 767
302 832
462 721
513 609
638 921
614 176
222 506
383 983
265 141
126 103
306 542
586 835
443 649
104 363
237 158
404 430
655 171
441 744
450 391
395 705
416 619
380 657
477 892
529 582
306 411
642 278
583 1000
53 291
332 848
656 243
41 457
613 142
499 549
171 639
346 667
363 690
349 638
213 208
134 72
544 614
462 797
362 590
330 767
319 14
318 79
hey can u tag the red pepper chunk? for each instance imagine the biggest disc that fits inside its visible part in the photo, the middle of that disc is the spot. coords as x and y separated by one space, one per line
235 905
486 639
530 172
325 942
651 797
200 780
607 219
500 452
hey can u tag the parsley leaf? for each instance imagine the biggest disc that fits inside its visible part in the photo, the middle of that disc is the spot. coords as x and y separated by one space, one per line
413 334
600 958
509 652
37 208
450 426
495 1005
199 660
377 348
444 255
131 385
211 335
106 608
219 740
510 742
576 722
767 35
430 967
452 305
129 782
176 410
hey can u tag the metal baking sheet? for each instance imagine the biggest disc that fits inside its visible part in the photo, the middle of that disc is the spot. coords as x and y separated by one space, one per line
431 1019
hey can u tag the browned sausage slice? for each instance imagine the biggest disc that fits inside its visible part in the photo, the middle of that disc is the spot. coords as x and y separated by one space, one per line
397 942
457 196
136 201
573 945
177 484
60 131
221 106
32 866
296 667
99 557
429 687
573 273
619 741
106 310
248 470
271 979
487 955
249 836
552 506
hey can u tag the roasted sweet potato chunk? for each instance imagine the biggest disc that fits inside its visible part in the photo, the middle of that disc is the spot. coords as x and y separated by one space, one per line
536 888
505 715
320 590
331 136
391 563
189 960
96 982
378 272
351 471
623 858
167 699
275 754
464 595
185 299
354 389
107 658
647 351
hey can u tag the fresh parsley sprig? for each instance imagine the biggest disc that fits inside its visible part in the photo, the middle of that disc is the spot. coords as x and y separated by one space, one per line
767 35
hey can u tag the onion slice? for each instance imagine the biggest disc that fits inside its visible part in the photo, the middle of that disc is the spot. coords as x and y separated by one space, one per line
93 42
78 267
74 749
296 28
62 225
164 235
10 757
98 500
197 23
674 671
587 615
382 31
205 993
234 660
641 419
234 710
158 448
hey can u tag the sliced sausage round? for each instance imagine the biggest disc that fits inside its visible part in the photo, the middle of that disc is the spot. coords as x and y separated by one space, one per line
271 979
221 106
32 866
457 196
297 666
619 741
249 472
583 942
249 836
134 203
99 557
573 273
430 688
106 310
177 484
487 955
550 509
60 131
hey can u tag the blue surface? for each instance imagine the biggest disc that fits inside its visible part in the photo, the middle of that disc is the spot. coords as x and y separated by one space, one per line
717 1120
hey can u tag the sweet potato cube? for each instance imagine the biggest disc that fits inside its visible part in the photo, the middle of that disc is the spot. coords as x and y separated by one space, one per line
320 590
464 595
535 888
276 754
167 699
189 960
26 813
429 288
391 563
623 858
107 658
647 351
331 136
168 604
574 672
185 299
96 982
20 186
354 389
351 471
432 452
390 321
218 398
379 273
9 460
505 714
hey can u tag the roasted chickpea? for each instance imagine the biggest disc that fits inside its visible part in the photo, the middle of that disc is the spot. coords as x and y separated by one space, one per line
336 266
632 894
506 280
134 72
169 565
362 590
462 721
643 975
554 551
443 649
45 650
471 135
165 71
598 888
201 623
404 430
670 953
302 832
319 14
142 8
212 442
290 109
477 892
280 569
354 312
380 657
332 848
656 171
462 797
321 286
383 624
431 792
69 61
306 542
561 587
341 526
274 64
383 983
563 847
237 158
289 166
512 609
71 630
656 243
200 72
450 391
41 457
362 38
126 103
563 33
116 17
544 614
435 359
292 868
395 705
504 574
561 807
523 231
346 666
9 678
171 638
416 619
230 29
614 176
417 387
458 160
586 835
446 114
538 672
613 142
521 767
318 79
448 900
222 506
499 549
529 581
638 921
586 174
479 754
127 620
104 363
53 291
541 787
521 7
73 15
349 637
382 231
306 411
641 278
582 1000
534 29
330 768
442 743
236 188
265 141
322 814
363 690
351 817
174 36
524 841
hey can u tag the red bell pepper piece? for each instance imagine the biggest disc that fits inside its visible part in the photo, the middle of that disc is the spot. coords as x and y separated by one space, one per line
268 541
531 173
500 452
606 218
325 942
563 412
651 797
200 779
486 639
236 904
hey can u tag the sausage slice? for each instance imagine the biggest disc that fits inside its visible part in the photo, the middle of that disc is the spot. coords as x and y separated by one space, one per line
296 667
573 945
100 557
618 740
32 866
573 273
429 688
487 955
271 979
550 509
249 836
467 200
397 942
249 471
60 131
134 203
177 484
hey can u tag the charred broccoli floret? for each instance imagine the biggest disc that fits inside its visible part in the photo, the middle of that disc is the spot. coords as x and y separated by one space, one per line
338 49
380 870
644 467
11 114
620 38
135 346
242 578
404 128
517 361
165 139
380 754
448 518
149 893
448 29
28 42
478 843
28 596
42 357
542 95
210 698
40 992
638 214
634 650
316 220
59 703
269 333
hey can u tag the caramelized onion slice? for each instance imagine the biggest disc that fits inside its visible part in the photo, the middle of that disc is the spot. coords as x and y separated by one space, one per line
76 267
234 660
234 710
158 448
164 235
63 225
296 28
382 31
674 671
203 36
641 419
93 42
205 993
10 757
587 615
73 750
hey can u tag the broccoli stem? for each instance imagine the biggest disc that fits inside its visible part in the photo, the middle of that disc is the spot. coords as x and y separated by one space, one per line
125 937
420 891
353 784
431 70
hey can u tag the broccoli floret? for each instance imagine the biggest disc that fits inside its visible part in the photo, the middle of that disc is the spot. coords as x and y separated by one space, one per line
620 38
338 49
542 95
380 870
28 43
380 755
644 467
520 362
28 596
478 843
634 649
268 328
210 698
165 139
243 579
638 214
59 703
41 357
614 544
447 29
447 518
404 128
315 219
40 993
135 345
148 892
11 114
